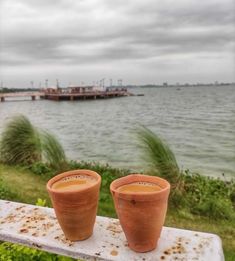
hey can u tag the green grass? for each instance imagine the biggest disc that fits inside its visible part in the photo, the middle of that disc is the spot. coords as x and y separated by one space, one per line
28 187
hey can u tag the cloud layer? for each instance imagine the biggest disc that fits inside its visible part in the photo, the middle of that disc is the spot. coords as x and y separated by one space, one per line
139 41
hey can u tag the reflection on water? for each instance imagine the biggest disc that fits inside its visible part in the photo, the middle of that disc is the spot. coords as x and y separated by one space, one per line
198 124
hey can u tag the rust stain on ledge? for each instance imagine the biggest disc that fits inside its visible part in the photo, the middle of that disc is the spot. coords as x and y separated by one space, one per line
175 250
114 227
34 222
114 253
61 238
38 227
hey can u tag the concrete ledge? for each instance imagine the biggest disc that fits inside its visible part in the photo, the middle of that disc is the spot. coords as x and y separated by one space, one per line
37 227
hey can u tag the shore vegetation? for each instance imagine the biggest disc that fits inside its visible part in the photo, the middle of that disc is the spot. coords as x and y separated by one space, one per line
196 202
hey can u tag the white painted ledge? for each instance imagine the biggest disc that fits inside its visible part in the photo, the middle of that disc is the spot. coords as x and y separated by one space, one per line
37 227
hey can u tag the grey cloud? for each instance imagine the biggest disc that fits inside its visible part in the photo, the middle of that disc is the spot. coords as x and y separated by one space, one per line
102 31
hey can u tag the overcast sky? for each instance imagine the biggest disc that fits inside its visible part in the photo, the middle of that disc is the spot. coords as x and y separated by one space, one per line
140 41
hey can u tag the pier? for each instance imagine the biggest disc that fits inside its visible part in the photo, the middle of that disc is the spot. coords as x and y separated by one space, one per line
33 95
85 95
69 94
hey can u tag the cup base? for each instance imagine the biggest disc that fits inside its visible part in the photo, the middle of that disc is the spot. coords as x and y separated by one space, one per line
78 238
142 248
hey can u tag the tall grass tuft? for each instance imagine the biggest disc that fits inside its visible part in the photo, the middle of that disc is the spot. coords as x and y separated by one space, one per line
196 194
53 152
20 142
158 155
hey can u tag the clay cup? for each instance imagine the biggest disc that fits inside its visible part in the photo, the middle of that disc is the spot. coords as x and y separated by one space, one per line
141 214
76 210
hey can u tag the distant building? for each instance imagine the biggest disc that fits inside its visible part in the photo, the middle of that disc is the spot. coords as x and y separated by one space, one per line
80 89
70 89
165 84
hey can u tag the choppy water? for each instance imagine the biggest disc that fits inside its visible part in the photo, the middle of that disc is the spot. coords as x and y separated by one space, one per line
198 124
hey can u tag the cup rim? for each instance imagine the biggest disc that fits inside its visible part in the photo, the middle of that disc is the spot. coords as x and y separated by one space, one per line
141 196
71 173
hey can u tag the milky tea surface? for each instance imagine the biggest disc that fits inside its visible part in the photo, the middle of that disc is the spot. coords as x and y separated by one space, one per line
74 183
139 187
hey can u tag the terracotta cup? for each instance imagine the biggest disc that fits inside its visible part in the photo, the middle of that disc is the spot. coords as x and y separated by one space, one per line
76 210
141 214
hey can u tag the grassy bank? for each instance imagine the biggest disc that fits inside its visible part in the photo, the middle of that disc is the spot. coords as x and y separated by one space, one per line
196 202
24 185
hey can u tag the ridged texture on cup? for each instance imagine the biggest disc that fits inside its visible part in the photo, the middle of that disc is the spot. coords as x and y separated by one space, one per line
141 215
76 210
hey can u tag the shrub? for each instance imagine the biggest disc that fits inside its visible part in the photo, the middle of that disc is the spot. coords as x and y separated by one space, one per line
208 196
41 202
22 143
53 152
158 155
215 208
13 252
99 168
41 168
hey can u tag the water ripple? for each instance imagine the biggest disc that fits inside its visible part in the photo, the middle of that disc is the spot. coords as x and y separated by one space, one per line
198 124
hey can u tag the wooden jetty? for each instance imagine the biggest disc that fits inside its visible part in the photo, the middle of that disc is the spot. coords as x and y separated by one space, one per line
70 93
83 93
